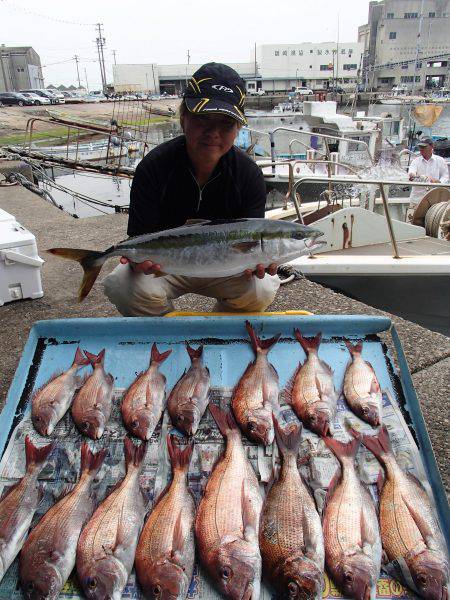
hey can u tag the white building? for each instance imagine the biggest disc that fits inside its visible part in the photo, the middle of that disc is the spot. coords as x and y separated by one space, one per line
283 67
136 78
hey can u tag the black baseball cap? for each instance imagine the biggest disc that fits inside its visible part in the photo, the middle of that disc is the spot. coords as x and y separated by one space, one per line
425 140
216 88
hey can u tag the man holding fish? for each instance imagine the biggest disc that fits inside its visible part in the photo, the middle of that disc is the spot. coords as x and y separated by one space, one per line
200 175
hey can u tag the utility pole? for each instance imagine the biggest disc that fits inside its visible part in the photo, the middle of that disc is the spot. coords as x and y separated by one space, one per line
337 55
101 43
114 54
154 80
188 57
76 59
418 47
85 76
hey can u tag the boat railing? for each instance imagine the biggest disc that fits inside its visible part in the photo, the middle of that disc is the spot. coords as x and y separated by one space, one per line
381 183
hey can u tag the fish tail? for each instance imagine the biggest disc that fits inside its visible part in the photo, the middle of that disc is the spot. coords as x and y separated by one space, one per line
96 359
158 357
194 353
342 450
80 358
91 462
288 441
134 455
259 345
224 420
354 349
36 456
91 262
179 458
308 344
379 445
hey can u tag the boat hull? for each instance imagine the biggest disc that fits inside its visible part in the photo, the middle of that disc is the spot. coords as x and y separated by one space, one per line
420 298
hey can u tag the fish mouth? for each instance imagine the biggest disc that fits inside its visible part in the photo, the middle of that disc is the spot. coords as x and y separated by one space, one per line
248 592
314 244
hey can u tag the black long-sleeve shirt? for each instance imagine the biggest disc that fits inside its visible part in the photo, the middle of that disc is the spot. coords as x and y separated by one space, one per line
165 193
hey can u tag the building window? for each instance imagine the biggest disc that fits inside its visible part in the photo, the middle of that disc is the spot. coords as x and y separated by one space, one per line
292 52
411 15
409 78
326 67
389 15
404 65
311 51
343 50
350 67
319 52
392 35
327 52
431 15
310 66
300 52
437 63
284 52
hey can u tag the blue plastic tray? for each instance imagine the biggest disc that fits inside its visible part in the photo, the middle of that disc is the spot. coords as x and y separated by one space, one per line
51 347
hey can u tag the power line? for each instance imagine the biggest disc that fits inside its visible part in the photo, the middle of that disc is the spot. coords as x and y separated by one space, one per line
101 43
41 16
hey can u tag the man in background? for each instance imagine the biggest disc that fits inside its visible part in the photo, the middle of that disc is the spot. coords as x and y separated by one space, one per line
426 167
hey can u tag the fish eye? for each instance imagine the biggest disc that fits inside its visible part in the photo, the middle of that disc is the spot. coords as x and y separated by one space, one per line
348 577
30 586
156 590
135 424
225 572
292 588
365 410
85 425
422 579
38 419
92 583
251 426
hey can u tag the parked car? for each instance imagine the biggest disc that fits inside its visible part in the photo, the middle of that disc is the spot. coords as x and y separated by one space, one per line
304 91
14 99
38 100
58 95
259 92
98 96
45 93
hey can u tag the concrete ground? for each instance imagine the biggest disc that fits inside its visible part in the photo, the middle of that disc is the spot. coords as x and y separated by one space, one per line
427 352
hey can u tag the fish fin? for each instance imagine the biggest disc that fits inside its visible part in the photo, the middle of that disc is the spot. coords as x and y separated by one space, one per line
35 456
244 247
249 514
327 368
340 449
257 343
92 462
288 441
6 492
95 359
194 353
224 420
134 455
287 392
368 532
354 349
80 358
179 458
378 444
330 490
158 357
308 344
419 512
88 260
380 481
178 538
272 479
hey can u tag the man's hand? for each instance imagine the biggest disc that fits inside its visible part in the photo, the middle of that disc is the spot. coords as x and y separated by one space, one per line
411 176
260 271
146 268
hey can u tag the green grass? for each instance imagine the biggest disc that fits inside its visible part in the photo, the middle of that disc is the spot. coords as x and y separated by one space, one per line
51 134
146 121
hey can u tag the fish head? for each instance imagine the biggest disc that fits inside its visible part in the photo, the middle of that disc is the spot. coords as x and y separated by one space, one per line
356 576
187 419
369 412
44 583
318 421
93 425
260 428
45 419
430 574
106 582
301 579
165 580
139 425
237 569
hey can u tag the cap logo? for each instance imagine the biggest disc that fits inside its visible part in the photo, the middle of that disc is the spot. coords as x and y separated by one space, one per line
222 88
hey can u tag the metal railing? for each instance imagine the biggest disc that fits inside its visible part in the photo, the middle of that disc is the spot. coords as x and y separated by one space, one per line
381 183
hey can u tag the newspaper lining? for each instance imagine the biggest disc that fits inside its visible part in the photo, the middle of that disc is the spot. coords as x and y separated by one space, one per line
63 469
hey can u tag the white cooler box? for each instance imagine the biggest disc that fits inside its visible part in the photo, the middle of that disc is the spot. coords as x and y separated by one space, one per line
20 264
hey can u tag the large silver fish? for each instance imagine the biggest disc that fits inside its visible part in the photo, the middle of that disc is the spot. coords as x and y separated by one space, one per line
209 249
48 556
19 505
107 545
